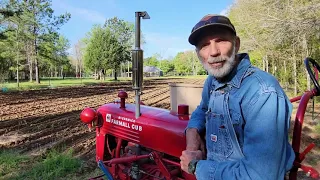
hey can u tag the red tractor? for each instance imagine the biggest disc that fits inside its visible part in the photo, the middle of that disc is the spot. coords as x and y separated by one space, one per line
135 141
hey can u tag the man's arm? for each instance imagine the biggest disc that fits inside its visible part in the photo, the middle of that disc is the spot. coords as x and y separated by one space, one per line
196 124
197 119
265 143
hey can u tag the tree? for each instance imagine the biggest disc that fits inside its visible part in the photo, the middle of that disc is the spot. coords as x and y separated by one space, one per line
123 34
44 23
109 46
79 53
63 63
167 66
152 61
187 62
280 34
98 50
36 29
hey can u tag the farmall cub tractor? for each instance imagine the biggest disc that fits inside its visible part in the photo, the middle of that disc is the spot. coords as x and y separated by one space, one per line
134 141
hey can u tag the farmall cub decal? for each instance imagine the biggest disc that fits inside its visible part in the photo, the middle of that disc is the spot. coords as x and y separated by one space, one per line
124 122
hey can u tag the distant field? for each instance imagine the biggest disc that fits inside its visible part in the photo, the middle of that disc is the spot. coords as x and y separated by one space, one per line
59 82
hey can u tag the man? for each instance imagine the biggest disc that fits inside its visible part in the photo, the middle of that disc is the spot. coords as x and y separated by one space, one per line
244 113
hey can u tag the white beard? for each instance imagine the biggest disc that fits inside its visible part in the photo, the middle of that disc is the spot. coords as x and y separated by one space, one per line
220 72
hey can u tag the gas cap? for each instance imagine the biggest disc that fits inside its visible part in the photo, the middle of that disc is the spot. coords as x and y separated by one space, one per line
183 109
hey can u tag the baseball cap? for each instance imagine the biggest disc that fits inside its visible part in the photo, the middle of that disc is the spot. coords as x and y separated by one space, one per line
207 22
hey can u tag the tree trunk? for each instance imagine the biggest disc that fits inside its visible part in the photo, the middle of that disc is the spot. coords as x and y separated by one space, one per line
30 69
128 70
103 74
61 71
115 75
29 59
305 47
120 70
55 71
285 77
273 67
295 72
77 68
37 70
267 63
36 50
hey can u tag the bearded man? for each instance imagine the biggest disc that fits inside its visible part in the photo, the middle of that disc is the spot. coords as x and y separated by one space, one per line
244 113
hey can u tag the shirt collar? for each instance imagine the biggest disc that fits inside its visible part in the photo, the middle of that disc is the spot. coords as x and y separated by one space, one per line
236 76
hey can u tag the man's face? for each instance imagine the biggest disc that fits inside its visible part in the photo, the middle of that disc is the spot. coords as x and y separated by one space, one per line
217 51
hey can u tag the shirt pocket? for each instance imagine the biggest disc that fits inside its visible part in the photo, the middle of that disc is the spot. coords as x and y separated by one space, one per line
218 138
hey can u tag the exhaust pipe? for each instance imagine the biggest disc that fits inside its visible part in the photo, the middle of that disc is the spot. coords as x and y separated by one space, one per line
137 61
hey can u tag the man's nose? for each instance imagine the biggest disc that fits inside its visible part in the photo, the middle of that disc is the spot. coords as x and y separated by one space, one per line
214 50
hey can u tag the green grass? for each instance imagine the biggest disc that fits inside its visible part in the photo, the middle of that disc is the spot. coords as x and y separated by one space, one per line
58 82
9 161
53 83
55 165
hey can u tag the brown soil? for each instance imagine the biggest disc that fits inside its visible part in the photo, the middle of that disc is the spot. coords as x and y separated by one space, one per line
37 120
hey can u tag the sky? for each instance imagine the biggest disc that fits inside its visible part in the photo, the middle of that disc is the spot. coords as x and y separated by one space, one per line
165 33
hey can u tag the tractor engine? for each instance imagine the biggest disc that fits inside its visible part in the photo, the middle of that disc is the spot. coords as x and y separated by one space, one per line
147 147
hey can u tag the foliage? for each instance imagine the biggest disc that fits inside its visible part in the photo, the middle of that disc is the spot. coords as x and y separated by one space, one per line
186 63
32 39
108 46
166 66
152 61
279 35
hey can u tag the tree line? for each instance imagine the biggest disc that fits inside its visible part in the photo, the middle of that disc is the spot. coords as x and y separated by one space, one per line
278 35
30 41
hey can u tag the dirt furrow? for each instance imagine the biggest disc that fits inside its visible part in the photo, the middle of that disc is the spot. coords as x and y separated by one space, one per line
35 121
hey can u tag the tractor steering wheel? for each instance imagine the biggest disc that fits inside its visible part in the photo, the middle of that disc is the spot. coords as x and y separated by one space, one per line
311 74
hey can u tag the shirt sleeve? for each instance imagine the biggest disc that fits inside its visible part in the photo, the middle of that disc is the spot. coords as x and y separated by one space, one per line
265 145
197 119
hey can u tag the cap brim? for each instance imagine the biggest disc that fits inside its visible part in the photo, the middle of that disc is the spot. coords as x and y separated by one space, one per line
195 36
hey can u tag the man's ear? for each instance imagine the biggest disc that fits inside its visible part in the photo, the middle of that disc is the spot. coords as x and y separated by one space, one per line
237 41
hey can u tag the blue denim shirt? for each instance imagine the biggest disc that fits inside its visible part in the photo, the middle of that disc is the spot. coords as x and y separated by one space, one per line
246 121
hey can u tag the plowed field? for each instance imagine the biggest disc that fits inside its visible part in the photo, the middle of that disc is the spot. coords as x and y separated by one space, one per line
33 122
38 120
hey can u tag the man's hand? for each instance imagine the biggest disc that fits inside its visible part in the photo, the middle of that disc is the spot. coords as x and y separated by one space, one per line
187 156
194 141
